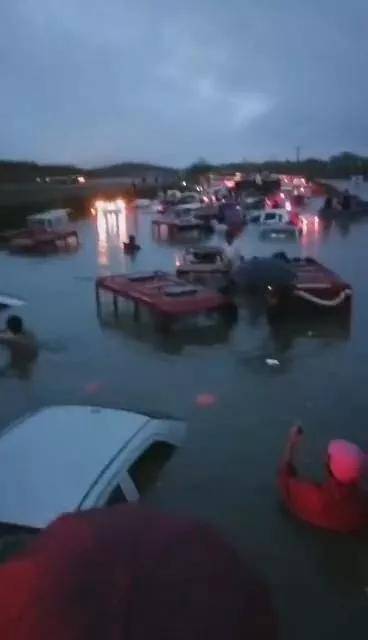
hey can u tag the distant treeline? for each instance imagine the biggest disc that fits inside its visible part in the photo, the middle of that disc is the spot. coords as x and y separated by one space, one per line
132 170
342 165
29 171
11 172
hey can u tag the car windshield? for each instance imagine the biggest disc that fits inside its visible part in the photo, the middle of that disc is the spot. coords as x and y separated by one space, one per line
186 213
188 199
209 257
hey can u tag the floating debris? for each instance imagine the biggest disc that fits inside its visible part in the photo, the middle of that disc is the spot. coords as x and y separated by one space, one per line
92 388
271 362
206 400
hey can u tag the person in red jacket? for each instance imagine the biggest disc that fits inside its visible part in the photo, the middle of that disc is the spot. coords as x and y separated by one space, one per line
339 504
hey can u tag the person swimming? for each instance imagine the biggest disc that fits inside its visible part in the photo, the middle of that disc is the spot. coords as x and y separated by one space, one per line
21 343
131 246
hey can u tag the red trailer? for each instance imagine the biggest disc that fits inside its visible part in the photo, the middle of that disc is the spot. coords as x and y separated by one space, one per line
45 233
319 286
167 297
315 288
44 242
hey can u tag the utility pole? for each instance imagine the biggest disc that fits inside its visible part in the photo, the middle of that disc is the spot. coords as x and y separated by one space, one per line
298 150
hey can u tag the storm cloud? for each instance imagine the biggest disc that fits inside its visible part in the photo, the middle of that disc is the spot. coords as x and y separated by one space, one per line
93 82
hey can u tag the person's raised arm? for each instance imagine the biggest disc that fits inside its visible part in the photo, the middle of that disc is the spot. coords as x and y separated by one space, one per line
295 435
303 497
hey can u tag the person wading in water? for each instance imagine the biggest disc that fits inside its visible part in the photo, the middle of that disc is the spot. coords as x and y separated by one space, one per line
21 343
341 502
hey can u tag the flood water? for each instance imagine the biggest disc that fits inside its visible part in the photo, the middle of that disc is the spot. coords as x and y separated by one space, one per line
225 473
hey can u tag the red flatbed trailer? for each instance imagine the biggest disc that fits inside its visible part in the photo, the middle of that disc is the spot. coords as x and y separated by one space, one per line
8 235
164 294
315 288
31 241
320 286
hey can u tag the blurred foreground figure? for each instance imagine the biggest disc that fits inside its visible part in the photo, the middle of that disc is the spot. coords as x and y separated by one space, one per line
126 573
341 503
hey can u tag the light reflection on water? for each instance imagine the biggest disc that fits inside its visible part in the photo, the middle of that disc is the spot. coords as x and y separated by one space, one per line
113 229
226 471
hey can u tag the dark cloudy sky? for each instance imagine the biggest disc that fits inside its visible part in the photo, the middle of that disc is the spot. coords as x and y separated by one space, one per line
95 81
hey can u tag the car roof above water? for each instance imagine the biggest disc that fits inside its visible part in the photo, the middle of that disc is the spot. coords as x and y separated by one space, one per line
205 250
50 461
53 214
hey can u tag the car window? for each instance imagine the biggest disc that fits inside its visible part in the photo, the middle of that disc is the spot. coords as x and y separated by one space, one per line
208 258
270 217
116 497
187 200
145 470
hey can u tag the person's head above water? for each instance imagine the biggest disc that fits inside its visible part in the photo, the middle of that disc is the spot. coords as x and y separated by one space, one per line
346 461
14 324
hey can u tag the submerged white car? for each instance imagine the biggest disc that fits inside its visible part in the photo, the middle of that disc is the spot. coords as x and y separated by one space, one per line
8 301
189 202
71 458
271 217
53 220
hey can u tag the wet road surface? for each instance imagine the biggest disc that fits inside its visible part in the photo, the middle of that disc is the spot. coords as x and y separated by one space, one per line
226 471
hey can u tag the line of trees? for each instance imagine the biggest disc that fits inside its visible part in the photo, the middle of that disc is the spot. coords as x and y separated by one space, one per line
342 165
17 172
28 171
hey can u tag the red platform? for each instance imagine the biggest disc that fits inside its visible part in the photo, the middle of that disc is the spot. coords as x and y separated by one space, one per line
320 286
8 235
315 289
31 241
163 293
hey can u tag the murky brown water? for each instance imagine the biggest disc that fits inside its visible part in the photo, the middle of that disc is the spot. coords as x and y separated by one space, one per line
226 471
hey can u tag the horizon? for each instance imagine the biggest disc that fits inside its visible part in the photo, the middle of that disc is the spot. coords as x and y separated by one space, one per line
74 165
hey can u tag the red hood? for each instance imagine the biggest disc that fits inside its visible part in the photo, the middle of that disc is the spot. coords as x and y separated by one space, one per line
125 573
